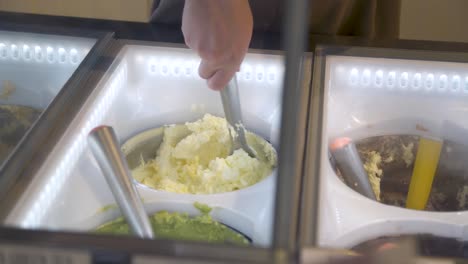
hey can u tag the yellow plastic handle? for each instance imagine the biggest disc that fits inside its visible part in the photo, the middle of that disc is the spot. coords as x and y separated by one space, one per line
425 166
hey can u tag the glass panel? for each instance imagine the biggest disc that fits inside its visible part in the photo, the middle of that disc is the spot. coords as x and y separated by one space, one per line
33 69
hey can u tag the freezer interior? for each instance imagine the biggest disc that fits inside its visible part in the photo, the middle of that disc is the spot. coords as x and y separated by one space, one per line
33 69
369 98
149 86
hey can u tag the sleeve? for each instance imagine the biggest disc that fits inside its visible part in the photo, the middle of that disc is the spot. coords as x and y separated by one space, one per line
167 11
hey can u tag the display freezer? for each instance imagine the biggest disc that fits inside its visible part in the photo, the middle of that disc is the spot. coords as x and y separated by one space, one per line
399 95
33 69
148 86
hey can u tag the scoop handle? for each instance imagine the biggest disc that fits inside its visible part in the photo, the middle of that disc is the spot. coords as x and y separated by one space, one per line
425 167
232 111
105 147
350 165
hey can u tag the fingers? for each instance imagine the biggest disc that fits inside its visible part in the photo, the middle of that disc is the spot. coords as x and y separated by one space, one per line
217 75
206 69
220 79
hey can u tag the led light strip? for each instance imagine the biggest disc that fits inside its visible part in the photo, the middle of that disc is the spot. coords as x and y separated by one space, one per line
188 68
73 153
405 80
37 53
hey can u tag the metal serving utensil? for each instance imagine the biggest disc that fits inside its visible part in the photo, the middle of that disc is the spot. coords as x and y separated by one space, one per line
106 150
232 111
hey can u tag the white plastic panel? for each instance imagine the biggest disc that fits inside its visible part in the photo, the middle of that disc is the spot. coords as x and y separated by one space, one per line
373 96
148 87
38 65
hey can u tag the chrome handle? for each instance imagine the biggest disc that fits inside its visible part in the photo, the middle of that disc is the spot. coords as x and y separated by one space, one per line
106 150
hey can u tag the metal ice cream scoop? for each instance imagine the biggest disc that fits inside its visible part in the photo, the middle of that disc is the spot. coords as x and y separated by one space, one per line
232 111
106 150
346 158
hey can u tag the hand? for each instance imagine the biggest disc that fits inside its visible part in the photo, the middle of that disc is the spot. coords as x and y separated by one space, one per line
220 32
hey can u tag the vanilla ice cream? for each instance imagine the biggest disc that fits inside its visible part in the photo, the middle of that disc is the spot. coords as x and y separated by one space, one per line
195 158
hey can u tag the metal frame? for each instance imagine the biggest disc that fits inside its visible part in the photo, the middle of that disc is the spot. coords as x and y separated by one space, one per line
293 127
52 30
99 247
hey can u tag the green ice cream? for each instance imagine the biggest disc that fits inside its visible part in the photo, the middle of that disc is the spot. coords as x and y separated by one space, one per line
181 226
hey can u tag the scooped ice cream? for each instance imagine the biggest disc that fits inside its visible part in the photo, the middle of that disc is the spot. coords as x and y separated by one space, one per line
180 226
195 158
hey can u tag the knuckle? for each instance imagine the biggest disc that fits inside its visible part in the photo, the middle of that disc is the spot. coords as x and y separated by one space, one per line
220 79
203 75
204 71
